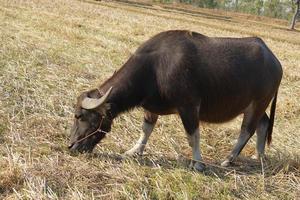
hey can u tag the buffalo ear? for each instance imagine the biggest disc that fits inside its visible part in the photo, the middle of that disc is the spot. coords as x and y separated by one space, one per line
103 109
91 103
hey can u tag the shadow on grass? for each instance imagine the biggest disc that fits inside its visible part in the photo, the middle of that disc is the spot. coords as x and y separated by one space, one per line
242 166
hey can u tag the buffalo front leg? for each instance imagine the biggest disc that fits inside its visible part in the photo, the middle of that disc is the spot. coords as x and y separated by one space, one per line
148 125
190 120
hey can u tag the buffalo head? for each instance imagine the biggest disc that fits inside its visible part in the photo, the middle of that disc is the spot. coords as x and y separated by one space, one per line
92 122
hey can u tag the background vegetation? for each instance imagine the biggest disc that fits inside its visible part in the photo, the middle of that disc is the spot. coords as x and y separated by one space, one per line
273 8
52 50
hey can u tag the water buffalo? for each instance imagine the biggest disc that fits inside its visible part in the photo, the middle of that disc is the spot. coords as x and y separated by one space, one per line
209 79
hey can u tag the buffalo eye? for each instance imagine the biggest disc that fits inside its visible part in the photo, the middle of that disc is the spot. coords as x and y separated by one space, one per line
78 116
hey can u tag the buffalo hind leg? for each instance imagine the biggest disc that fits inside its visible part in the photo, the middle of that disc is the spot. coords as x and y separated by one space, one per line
262 133
148 125
190 120
252 116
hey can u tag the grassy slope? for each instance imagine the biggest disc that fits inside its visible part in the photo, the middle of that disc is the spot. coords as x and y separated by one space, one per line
52 50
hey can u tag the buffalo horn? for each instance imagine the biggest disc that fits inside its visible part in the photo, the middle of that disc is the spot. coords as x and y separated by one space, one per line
91 103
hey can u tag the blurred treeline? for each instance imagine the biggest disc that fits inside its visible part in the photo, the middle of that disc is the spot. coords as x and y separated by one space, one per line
273 8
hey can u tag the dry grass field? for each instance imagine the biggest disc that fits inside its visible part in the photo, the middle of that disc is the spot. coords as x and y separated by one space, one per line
52 50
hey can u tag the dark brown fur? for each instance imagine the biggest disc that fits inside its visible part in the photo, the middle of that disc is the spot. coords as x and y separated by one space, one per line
201 78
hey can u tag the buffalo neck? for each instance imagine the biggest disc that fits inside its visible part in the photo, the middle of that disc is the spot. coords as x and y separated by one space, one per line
129 85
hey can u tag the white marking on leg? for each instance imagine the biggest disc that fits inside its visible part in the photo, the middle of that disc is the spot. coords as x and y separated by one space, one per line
261 138
194 140
142 141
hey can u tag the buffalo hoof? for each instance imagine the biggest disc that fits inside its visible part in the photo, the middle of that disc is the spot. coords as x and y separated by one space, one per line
259 157
226 163
133 152
197 166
